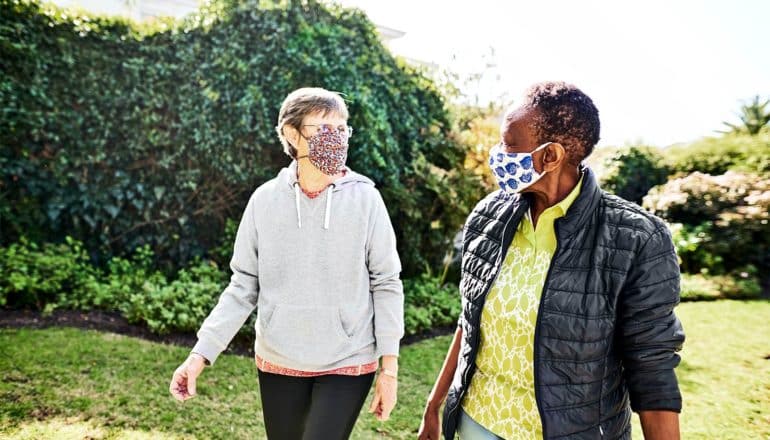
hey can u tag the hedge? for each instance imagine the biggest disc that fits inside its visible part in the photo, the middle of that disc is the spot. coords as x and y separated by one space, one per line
124 135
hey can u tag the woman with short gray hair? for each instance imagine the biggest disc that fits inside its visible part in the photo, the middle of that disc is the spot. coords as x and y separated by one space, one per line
315 254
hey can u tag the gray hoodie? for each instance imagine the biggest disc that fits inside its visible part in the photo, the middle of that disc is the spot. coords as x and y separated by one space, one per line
323 274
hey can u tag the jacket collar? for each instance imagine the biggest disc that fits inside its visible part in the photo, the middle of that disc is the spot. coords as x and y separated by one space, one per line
578 213
584 206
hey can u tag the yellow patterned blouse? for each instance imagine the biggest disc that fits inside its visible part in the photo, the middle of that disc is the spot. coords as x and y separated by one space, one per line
501 396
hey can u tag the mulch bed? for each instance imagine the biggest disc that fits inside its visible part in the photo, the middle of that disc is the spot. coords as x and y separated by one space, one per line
113 322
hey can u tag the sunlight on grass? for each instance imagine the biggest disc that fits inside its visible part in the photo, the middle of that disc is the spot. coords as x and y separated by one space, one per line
74 429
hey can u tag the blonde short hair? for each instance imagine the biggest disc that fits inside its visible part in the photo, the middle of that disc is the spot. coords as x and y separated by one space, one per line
303 102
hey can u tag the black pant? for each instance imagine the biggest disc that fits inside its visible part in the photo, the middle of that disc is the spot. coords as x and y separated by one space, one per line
312 408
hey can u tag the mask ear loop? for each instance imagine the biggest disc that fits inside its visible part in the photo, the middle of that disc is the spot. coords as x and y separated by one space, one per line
499 146
299 132
545 145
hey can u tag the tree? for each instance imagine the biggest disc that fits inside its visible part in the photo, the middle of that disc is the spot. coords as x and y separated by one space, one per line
754 116
632 171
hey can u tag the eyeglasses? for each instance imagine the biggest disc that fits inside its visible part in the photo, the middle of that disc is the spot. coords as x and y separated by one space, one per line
341 129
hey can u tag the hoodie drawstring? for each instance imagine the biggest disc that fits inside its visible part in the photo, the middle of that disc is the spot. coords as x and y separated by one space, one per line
327 211
296 203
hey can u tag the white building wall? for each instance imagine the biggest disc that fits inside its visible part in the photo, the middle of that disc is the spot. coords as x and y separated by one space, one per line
136 9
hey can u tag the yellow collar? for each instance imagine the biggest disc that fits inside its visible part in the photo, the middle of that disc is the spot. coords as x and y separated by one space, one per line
560 209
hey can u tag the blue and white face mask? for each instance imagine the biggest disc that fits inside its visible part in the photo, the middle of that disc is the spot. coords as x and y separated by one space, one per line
514 171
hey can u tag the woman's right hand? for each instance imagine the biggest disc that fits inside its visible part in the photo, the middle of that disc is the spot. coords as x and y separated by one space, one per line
430 428
183 383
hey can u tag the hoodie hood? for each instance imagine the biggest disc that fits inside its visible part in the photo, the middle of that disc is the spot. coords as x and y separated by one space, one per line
287 178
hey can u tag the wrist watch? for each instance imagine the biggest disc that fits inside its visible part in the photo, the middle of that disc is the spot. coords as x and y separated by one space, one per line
390 373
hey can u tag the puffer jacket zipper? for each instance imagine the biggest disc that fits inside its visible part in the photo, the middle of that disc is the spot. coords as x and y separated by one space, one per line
537 329
477 335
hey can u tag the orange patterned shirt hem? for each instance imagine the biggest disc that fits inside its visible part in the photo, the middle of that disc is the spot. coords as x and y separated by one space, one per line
357 370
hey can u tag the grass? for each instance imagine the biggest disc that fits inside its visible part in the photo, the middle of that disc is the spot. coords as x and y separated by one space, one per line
725 372
74 384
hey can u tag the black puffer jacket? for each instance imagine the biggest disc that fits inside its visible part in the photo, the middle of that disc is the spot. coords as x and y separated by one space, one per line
606 334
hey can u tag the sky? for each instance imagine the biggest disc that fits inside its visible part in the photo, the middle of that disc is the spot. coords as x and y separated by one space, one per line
660 72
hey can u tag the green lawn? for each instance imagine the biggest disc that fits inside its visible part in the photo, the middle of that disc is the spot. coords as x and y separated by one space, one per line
69 383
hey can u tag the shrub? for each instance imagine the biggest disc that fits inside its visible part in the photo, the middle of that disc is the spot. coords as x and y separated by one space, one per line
718 155
124 277
632 171
122 135
429 304
721 224
698 287
47 277
699 197
35 275
223 252
180 305
695 247
478 129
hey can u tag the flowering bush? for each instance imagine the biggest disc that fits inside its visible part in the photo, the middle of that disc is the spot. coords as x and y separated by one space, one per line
720 224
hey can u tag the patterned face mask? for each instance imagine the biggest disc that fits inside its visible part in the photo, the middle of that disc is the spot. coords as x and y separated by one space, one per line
327 150
514 171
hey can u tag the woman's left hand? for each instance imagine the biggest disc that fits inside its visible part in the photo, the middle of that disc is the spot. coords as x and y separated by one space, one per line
384 400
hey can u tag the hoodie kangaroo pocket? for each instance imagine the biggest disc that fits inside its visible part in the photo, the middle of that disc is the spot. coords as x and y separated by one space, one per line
308 335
